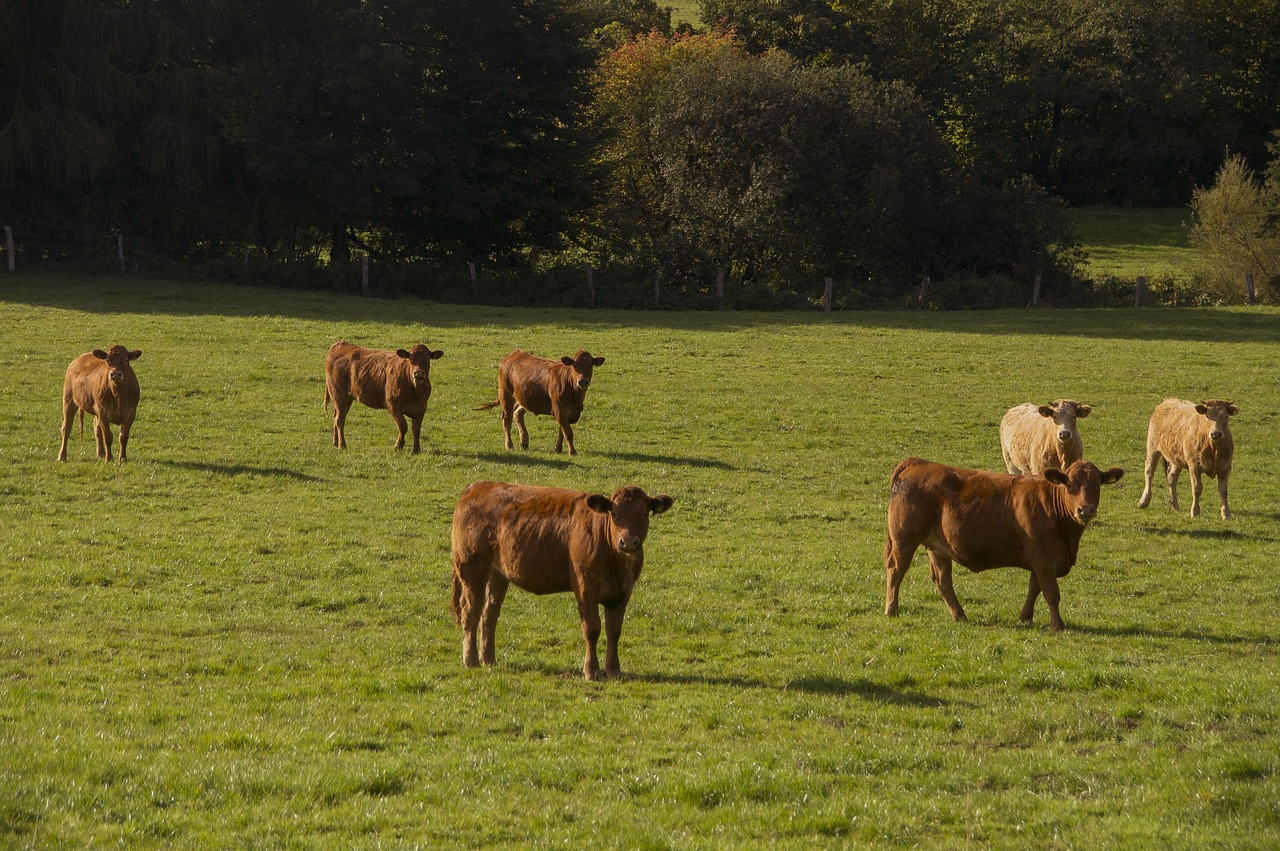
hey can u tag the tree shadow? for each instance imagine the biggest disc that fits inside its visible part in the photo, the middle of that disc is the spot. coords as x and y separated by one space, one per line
866 689
675 460
240 470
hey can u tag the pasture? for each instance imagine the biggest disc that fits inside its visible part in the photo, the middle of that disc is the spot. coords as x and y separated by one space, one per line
1128 243
241 638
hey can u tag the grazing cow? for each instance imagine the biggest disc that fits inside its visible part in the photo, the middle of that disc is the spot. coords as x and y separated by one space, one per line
1184 435
541 386
105 385
398 381
548 540
984 520
1034 438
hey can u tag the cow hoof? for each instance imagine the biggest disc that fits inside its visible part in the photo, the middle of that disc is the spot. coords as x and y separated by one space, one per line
1226 514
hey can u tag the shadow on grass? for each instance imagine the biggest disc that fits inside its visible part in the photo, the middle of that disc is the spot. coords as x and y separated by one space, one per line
1208 534
519 458
241 470
864 688
675 460
1138 631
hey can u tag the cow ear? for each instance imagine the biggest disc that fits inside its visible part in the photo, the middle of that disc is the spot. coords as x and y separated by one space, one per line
437 355
1232 410
1201 409
600 503
598 361
99 354
135 354
566 360
402 353
1055 475
1083 411
1045 411
660 503
1110 477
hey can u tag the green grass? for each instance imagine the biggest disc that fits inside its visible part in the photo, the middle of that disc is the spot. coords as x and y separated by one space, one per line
241 638
686 12
1127 243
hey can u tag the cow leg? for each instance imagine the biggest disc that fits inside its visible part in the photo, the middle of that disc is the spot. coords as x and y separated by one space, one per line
940 570
1197 487
68 417
471 606
589 613
495 593
1222 493
1149 472
897 559
507 413
341 404
103 428
524 432
402 426
1029 607
1171 473
1048 581
613 634
416 422
566 434
124 440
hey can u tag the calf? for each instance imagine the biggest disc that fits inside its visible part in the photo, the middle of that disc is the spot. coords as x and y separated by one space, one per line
398 381
984 520
1034 438
548 540
105 385
1193 437
541 386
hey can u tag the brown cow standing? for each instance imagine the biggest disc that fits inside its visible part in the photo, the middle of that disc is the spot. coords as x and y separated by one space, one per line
541 386
548 540
984 520
1193 437
105 385
1034 438
398 381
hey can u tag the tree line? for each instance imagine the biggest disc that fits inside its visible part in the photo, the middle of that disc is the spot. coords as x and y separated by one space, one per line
785 142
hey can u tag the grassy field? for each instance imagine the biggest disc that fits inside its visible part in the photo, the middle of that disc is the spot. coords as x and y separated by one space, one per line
686 12
1129 243
241 638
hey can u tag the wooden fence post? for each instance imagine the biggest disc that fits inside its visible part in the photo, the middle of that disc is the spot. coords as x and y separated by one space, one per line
924 291
591 284
475 288
1139 290
8 243
826 295
1248 285
656 289
1035 292
720 288
364 273
120 250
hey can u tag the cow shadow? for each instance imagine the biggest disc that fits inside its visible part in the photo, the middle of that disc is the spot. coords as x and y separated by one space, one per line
866 689
520 459
241 470
674 460
1207 534
1137 631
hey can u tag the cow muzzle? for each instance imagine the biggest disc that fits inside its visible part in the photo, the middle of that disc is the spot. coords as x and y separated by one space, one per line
1215 436
117 375
630 544
1085 513
419 377
1065 436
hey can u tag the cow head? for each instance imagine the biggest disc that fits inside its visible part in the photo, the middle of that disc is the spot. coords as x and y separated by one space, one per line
628 511
420 360
1083 482
1064 413
1217 412
117 358
582 363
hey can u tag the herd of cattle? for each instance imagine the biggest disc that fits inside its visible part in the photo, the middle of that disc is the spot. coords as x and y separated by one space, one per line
547 540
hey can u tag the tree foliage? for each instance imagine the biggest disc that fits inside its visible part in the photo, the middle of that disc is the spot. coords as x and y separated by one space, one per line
1236 229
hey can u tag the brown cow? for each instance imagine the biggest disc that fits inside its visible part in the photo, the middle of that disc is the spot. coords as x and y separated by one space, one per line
1034 438
984 520
1184 435
105 385
546 541
398 381
541 386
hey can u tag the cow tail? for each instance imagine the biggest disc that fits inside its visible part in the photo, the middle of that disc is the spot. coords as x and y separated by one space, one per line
455 602
487 405
325 405
82 423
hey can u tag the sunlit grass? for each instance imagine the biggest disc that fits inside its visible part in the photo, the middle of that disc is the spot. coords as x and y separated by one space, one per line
241 638
1126 243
